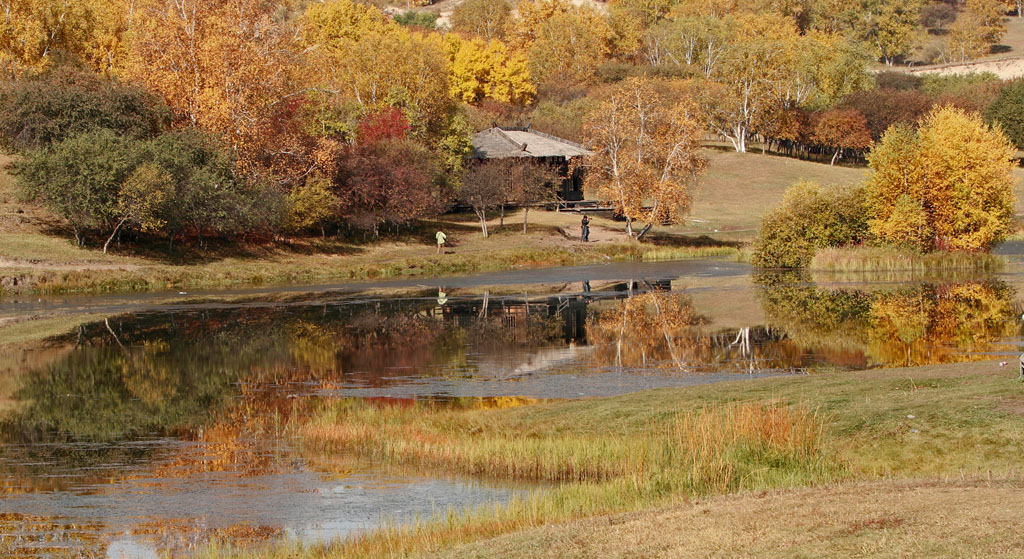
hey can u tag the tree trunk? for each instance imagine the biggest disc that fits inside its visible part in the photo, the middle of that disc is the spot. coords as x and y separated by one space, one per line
644 231
834 157
482 214
526 213
111 237
629 227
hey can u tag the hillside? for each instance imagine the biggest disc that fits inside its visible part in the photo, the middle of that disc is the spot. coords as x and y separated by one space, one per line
739 187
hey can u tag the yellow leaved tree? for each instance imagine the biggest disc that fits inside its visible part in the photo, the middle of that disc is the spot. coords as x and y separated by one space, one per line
230 67
647 144
486 69
365 59
563 42
948 186
32 31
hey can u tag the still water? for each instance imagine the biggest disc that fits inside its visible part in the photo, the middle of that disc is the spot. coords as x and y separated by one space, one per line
164 424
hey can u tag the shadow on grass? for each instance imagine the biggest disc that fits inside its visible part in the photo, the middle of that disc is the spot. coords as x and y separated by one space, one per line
671 240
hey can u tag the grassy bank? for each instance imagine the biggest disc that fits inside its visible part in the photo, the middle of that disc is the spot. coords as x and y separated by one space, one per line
280 268
877 259
641 451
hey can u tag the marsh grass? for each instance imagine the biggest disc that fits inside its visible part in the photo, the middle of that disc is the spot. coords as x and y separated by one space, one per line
883 260
461 441
705 450
940 421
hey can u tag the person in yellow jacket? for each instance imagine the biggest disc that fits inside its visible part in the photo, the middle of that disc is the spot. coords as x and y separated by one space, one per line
441 238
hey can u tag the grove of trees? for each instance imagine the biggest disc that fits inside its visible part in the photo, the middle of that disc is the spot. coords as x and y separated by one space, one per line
185 119
947 185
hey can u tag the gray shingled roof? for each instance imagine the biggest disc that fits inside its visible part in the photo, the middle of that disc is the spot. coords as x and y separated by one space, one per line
499 143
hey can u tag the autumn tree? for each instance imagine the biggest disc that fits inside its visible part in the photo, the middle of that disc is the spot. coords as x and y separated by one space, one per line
948 186
496 183
369 63
756 63
563 42
976 30
1016 6
386 177
225 66
532 182
313 204
700 42
486 18
647 152
895 28
482 70
141 200
842 129
883 108
485 188
32 32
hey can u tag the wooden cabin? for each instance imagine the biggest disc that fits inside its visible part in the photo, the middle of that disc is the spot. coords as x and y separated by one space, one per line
500 142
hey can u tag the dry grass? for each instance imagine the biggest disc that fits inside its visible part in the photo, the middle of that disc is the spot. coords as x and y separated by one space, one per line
880 519
878 259
699 441
740 187
653 448
707 450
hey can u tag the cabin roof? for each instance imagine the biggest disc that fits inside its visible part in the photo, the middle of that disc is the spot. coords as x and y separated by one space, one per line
502 142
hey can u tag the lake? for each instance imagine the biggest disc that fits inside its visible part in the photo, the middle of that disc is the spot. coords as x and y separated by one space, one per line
162 420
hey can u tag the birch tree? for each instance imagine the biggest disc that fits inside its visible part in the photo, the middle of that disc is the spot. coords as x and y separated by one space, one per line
648 155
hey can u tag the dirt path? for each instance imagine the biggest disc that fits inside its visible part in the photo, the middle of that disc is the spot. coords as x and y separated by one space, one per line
1004 68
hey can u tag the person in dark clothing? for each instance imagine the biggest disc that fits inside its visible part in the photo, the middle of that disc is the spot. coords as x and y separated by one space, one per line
585 225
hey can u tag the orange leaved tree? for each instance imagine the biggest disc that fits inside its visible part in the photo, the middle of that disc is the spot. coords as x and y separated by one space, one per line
647 152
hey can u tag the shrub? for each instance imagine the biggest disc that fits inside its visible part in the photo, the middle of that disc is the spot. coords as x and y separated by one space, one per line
810 217
79 178
897 80
417 19
954 84
66 102
1008 111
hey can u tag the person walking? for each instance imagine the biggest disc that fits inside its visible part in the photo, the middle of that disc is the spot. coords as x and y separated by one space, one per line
441 238
585 225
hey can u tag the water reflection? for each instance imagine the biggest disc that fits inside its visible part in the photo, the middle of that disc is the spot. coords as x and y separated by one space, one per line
156 430
895 325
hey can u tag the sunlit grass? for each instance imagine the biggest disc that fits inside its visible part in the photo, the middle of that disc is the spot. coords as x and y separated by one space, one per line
652 449
705 450
877 259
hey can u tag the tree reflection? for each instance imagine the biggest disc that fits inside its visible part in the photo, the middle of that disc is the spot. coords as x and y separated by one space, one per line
653 329
904 326
171 374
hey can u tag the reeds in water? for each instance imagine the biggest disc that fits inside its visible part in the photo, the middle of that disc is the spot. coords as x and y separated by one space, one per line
878 259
